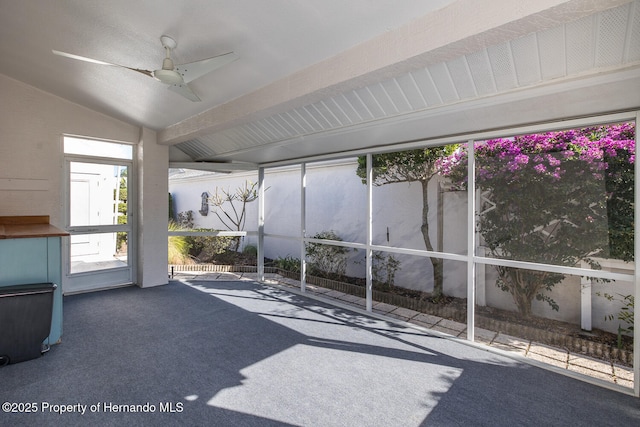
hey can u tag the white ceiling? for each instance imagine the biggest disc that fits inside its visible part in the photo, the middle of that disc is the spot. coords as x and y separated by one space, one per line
313 72
273 38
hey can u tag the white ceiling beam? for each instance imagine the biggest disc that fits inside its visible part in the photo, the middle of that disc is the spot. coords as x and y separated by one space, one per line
222 167
463 27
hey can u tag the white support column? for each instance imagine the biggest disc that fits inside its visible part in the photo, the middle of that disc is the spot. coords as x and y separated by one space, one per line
585 301
369 253
261 201
636 253
303 226
471 243
480 269
153 233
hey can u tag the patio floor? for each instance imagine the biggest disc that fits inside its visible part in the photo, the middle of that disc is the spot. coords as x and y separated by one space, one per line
239 353
534 352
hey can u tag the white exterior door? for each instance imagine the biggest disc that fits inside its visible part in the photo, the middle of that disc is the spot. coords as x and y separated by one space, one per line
84 190
99 218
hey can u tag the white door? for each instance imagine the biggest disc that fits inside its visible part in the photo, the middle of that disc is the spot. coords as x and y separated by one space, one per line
99 218
82 191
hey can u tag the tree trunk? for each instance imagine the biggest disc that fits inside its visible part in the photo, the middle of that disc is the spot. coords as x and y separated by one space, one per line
523 286
235 246
523 303
438 272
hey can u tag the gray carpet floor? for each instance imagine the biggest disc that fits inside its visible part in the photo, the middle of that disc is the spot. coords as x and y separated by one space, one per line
244 354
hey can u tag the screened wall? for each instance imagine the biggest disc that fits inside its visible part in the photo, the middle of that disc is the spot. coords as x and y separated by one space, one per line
524 236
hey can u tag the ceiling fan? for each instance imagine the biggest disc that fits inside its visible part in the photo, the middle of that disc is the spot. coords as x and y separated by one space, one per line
176 76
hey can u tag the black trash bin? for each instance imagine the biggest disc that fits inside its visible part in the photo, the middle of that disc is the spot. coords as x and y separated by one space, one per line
25 321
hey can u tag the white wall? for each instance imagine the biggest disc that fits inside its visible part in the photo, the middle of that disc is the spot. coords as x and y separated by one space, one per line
32 123
187 191
336 200
398 208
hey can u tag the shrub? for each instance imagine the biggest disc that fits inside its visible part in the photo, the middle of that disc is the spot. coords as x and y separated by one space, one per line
287 263
626 314
204 248
185 220
250 250
327 260
178 247
384 270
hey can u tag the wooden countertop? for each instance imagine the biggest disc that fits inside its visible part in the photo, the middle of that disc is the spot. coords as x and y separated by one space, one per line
24 227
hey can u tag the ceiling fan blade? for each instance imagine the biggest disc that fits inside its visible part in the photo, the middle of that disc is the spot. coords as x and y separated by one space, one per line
95 61
193 70
185 91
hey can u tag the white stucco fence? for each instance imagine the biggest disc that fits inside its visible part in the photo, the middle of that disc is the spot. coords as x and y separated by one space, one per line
336 200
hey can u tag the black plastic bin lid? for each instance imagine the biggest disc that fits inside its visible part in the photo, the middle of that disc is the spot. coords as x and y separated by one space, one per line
27 289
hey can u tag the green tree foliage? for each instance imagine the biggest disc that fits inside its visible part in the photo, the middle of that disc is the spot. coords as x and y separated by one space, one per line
419 165
171 209
122 209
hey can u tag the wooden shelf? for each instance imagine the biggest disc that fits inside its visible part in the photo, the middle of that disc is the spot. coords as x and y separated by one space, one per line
23 227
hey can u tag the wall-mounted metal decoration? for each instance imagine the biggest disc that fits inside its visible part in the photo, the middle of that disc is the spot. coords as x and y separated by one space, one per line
204 208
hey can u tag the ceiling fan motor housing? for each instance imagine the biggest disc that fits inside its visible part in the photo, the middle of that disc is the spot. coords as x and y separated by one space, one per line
169 77
167 74
167 64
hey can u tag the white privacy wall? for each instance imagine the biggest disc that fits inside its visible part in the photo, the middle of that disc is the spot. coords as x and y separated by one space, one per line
336 200
398 208
187 186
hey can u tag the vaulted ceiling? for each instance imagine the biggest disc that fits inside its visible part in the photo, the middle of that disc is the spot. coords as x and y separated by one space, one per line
327 76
